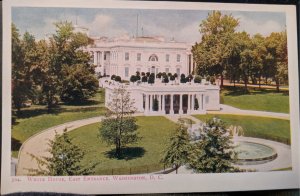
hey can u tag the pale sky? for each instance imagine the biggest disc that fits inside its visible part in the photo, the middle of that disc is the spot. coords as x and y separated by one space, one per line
182 25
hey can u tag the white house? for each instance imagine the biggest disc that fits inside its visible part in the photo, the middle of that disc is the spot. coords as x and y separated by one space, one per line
124 56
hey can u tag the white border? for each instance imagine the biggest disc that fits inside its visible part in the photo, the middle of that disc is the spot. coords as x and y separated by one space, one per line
171 183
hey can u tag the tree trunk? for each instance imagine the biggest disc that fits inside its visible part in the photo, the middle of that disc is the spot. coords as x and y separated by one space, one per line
277 85
222 78
246 82
259 81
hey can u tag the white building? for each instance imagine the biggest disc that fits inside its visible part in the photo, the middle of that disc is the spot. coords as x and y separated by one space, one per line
170 98
124 56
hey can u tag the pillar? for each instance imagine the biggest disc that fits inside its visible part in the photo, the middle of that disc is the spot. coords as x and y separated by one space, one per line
95 57
147 104
159 103
171 105
188 104
151 103
163 104
180 104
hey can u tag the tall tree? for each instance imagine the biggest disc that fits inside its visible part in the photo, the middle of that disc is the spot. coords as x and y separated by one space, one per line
23 53
119 128
277 59
213 153
179 148
212 54
65 159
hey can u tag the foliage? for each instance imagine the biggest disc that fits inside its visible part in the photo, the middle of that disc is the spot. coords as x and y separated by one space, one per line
165 79
144 79
213 153
113 77
119 128
151 79
182 78
213 52
178 150
197 79
22 54
118 79
78 85
65 159
133 78
172 78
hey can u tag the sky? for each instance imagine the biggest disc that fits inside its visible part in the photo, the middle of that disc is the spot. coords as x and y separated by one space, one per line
181 25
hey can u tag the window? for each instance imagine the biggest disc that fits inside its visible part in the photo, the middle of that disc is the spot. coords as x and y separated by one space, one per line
167 57
178 57
138 57
167 70
126 71
126 56
153 57
178 71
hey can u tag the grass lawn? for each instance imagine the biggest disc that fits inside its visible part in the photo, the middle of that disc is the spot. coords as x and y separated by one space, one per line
35 118
262 100
261 127
142 157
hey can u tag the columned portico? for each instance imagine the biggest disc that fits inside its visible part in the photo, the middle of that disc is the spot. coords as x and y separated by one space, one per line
180 99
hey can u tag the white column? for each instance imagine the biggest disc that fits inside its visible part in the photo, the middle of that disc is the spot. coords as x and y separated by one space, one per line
188 104
180 104
95 58
147 104
151 103
163 104
159 103
171 104
202 102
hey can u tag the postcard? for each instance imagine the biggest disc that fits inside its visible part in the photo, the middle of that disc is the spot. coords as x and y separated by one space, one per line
108 97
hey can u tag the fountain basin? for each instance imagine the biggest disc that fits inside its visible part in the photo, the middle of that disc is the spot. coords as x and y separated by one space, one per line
251 153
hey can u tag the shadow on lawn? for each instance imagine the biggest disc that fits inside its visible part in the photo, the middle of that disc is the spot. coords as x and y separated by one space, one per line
27 113
15 144
238 91
128 153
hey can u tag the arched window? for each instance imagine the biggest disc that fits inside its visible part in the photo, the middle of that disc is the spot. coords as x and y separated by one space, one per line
153 57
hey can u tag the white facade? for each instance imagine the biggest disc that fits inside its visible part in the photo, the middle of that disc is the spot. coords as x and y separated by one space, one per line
170 98
125 56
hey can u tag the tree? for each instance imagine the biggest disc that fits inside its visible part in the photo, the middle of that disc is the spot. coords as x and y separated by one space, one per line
182 78
23 52
144 79
151 79
133 78
119 128
118 79
78 85
211 55
165 79
214 152
276 59
65 159
197 79
178 149
113 77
